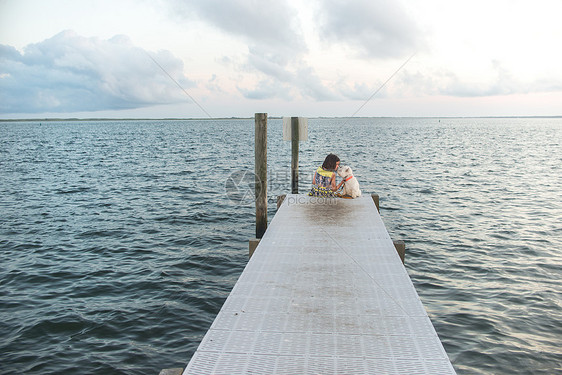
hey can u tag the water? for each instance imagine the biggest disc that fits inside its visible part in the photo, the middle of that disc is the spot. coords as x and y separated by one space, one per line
119 243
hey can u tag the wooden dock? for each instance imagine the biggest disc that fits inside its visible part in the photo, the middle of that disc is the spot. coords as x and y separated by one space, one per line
324 293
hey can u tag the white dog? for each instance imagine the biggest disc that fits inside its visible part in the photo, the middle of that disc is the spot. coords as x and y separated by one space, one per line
351 185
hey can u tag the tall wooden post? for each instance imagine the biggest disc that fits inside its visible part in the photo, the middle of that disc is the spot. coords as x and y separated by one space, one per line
261 174
295 155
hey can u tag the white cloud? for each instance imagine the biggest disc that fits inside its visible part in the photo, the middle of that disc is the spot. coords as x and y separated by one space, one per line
69 73
267 89
374 28
357 91
260 60
274 41
500 81
311 85
269 23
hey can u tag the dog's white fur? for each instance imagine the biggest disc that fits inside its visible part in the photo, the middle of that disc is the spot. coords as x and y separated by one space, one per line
350 187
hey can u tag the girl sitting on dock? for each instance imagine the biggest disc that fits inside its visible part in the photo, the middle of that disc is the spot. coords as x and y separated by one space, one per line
324 181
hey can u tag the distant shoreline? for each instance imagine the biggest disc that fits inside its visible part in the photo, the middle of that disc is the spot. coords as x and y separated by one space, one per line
250 118
124 119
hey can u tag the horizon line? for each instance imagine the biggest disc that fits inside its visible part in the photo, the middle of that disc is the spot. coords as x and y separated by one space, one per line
246 118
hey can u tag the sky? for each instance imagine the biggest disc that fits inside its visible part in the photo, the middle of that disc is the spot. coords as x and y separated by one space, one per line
331 58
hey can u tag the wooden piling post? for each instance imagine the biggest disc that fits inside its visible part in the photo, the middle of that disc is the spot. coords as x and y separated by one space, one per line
295 155
261 173
253 244
280 199
376 200
400 248
171 371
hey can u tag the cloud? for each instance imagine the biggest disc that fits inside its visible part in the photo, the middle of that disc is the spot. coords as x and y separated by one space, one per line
499 81
269 64
68 73
285 82
277 48
261 23
267 89
311 85
289 85
357 91
276 45
375 28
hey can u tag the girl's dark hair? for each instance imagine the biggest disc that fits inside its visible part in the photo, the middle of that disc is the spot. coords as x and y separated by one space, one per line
330 162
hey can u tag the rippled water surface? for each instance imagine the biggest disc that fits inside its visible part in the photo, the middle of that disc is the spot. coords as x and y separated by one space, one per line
119 243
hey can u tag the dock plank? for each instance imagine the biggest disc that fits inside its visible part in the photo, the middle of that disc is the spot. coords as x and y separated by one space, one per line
324 293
